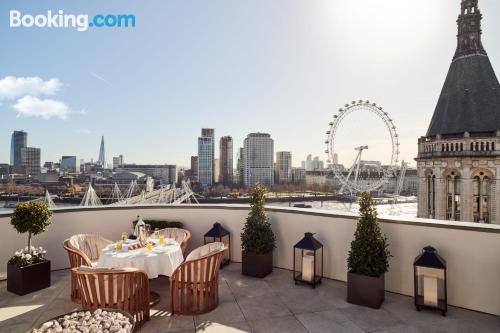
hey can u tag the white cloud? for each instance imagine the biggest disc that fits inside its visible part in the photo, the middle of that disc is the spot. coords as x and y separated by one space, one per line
30 106
12 87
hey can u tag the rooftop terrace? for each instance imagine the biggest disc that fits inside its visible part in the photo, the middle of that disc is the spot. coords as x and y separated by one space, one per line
276 304
273 304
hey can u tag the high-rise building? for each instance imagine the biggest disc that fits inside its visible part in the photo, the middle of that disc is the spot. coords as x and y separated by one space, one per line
118 161
194 169
18 141
317 164
458 157
298 176
30 159
216 170
258 159
335 159
283 167
102 154
206 147
308 163
69 164
226 160
240 166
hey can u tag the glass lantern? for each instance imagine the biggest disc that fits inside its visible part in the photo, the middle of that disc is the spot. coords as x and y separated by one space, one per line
430 281
219 234
308 261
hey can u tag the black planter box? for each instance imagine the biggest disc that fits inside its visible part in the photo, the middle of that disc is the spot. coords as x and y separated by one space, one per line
25 280
365 290
257 265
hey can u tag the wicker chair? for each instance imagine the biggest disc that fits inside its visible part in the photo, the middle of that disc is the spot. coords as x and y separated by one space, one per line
83 250
182 236
125 289
194 285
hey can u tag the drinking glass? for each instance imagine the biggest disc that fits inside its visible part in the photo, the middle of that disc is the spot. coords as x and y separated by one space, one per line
124 236
148 230
162 239
157 233
149 246
119 246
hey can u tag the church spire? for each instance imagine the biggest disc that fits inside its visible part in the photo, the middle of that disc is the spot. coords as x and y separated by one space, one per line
469 30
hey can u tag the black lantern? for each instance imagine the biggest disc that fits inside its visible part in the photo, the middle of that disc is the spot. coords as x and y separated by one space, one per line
308 260
430 280
219 234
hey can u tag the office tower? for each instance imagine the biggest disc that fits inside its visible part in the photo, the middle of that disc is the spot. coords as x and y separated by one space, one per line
216 170
118 161
18 141
317 164
458 157
226 160
240 166
194 169
335 159
206 143
299 176
69 164
102 154
258 159
309 166
30 159
283 167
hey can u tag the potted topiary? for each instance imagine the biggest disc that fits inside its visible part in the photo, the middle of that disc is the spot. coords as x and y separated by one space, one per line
29 270
257 239
368 259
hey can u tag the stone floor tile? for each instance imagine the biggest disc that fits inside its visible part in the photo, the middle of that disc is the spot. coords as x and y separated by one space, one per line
328 321
214 327
370 319
287 324
260 307
225 313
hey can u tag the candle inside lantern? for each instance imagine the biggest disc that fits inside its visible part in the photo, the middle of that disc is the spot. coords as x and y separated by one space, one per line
431 291
308 266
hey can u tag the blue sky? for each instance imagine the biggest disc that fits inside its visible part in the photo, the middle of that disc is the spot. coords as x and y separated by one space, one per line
282 67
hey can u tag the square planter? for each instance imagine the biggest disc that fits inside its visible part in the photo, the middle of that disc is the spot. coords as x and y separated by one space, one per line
25 280
365 290
257 265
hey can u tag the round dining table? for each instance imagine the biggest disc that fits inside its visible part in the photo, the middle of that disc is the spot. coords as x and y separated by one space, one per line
162 260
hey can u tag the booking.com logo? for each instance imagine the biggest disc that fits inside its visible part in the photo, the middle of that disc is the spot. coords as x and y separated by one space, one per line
80 22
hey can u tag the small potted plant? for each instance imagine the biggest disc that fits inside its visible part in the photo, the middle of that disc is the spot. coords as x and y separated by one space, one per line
368 259
257 239
29 270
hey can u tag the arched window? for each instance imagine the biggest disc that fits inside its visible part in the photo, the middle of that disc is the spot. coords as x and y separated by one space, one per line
492 146
431 198
461 146
453 191
456 146
487 146
481 191
482 146
451 147
447 147
442 147
477 146
471 146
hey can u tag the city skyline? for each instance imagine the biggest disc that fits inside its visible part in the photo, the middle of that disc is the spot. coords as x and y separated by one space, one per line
305 64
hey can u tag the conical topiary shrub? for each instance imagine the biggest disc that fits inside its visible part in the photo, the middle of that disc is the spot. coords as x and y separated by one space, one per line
257 239
368 259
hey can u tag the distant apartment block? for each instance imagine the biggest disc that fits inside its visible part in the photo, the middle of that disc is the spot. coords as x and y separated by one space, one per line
118 161
226 160
69 164
166 174
30 159
258 159
206 157
299 176
283 167
194 169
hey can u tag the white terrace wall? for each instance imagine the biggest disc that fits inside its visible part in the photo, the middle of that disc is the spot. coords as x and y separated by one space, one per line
472 251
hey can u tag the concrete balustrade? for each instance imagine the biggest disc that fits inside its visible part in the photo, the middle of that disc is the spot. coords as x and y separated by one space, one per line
472 251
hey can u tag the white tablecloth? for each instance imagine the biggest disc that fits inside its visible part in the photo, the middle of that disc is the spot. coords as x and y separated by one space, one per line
163 260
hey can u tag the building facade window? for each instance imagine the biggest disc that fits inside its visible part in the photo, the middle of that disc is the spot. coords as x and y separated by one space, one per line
481 198
453 192
431 197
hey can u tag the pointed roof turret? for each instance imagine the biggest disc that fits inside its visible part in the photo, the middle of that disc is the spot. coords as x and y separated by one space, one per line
470 99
